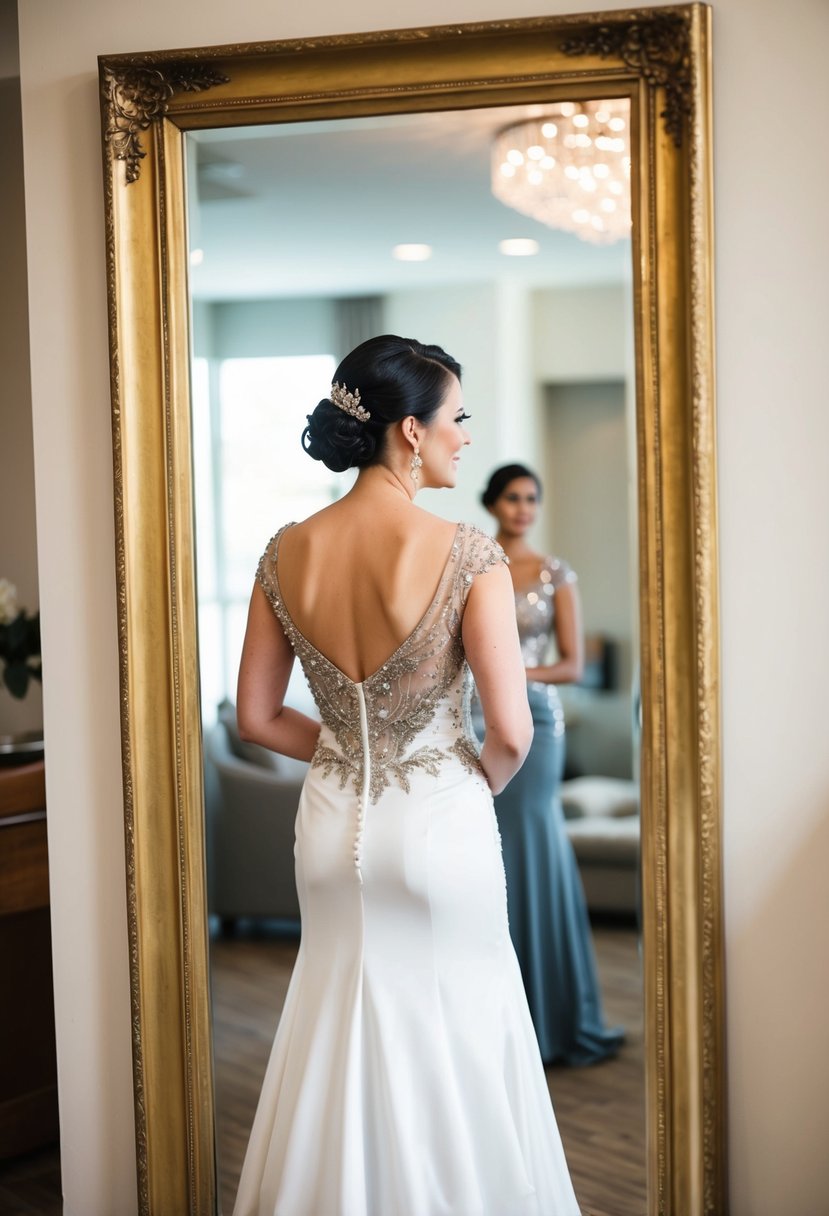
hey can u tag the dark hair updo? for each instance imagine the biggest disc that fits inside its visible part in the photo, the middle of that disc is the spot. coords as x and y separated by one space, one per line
396 377
501 478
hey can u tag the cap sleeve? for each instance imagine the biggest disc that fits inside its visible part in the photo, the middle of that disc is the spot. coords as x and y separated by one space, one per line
266 571
557 572
481 553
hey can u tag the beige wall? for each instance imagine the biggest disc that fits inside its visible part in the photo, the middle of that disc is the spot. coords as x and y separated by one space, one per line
774 495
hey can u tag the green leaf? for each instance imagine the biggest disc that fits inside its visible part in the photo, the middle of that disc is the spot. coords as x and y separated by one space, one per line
16 679
33 635
16 632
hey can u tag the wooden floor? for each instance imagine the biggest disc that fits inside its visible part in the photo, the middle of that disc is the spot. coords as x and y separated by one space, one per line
600 1110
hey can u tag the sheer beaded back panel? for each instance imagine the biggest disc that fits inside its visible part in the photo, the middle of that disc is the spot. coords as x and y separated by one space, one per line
378 724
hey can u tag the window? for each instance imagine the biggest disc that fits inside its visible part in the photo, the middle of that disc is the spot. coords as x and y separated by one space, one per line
250 477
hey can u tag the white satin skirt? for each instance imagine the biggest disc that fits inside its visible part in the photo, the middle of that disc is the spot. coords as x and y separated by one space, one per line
405 1077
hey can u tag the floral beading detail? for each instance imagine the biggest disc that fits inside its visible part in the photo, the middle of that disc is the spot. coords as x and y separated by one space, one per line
466 751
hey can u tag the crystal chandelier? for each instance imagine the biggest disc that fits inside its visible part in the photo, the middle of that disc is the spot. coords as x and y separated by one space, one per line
569 169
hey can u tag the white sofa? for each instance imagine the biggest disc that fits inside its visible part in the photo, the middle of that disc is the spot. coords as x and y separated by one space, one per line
600 793
602 819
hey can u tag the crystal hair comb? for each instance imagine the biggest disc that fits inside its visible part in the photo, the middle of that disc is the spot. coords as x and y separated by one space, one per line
349 402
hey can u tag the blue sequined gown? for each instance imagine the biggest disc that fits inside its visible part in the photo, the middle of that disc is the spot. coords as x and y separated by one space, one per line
548 918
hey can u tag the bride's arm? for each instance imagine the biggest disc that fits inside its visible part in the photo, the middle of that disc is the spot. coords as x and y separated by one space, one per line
490 640
264 671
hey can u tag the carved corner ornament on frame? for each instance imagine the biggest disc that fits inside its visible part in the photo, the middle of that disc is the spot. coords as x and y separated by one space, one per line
657 49
135 97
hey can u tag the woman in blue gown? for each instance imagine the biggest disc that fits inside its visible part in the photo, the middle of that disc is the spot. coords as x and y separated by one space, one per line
548 918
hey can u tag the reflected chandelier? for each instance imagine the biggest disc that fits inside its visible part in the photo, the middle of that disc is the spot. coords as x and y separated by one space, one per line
569 169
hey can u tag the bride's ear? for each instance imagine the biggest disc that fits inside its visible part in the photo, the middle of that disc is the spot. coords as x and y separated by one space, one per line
411 430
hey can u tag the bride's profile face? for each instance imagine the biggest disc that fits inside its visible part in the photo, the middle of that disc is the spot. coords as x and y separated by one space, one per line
445 437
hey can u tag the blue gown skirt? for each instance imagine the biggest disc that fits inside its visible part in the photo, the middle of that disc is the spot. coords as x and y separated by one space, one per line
548 918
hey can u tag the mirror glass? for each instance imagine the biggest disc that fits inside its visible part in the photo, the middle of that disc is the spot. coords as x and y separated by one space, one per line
305 239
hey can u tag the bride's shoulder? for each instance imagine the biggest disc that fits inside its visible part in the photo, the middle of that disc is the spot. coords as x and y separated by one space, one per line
301 532
468 541
273 544
427 521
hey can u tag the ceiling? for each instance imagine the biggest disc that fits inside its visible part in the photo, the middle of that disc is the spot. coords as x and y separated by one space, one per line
316 208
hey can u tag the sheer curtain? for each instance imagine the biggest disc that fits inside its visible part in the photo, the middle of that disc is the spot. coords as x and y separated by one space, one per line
251 476
357 319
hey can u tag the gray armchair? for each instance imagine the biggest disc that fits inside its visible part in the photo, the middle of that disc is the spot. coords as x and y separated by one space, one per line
251 798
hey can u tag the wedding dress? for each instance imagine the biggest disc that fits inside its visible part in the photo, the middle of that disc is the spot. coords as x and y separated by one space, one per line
405 1078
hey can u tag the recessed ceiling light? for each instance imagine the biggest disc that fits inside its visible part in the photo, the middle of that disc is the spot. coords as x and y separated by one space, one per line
412 253
196 257
518 247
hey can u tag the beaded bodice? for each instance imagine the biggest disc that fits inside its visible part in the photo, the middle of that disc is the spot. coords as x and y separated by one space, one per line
535 610
377 727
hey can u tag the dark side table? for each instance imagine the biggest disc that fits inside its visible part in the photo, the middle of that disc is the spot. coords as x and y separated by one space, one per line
28 1073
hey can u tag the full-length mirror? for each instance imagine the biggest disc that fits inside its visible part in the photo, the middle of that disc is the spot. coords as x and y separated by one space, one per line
305 239
268 208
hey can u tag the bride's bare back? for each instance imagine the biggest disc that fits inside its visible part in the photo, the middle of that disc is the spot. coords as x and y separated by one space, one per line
358 576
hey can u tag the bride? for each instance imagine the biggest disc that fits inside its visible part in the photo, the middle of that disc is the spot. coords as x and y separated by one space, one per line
404 1079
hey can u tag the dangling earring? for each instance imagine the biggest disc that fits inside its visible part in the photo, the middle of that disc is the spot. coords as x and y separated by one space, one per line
415 465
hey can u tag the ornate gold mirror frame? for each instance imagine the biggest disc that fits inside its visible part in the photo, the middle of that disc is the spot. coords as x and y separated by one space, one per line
659 58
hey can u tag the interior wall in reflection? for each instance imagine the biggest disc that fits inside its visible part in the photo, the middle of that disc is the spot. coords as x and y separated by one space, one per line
584 351
259 363
586 506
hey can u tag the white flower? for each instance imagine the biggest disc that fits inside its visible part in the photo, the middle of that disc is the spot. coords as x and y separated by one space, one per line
8 601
